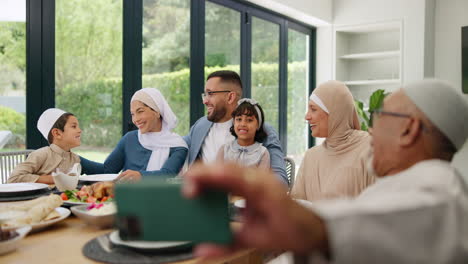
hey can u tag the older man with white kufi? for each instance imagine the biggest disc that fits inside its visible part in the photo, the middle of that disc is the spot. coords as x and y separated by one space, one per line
416 212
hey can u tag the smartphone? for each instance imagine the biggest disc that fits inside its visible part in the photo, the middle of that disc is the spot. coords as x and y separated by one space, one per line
155 210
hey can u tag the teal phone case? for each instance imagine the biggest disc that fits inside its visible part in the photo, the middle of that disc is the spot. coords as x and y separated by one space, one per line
155 210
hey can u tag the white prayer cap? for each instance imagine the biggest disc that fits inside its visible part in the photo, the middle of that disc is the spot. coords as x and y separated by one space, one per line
47 120
443 106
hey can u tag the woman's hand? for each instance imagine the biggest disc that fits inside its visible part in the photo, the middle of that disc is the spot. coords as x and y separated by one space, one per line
129 176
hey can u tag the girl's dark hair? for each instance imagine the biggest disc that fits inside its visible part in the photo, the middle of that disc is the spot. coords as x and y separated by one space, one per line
248 109
59 124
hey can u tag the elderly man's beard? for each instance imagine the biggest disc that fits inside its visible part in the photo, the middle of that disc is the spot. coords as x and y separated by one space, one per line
217 114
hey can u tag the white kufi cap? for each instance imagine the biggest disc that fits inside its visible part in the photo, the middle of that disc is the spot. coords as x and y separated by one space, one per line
47 120
443 106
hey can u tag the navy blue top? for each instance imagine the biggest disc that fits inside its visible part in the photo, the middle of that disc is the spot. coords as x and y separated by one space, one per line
129 154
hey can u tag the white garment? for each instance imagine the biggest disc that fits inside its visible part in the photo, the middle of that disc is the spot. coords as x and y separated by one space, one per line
419 215
459 161
218 135
158 142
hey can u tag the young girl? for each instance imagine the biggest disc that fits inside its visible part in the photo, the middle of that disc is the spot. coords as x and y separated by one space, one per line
62 131
247 128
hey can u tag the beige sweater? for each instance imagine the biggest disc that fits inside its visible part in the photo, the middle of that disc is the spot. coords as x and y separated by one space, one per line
325 174
43 161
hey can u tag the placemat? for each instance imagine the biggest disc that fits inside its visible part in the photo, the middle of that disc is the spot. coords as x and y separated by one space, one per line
101 249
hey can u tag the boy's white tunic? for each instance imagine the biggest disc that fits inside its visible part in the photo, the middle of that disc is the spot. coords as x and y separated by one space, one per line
419 215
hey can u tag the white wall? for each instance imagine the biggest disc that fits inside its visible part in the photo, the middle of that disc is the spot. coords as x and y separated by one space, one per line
312 12
450 16
12 10
324 56
410 12
429 38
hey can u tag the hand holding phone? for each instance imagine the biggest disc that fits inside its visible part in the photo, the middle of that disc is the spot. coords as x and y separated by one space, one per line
155 210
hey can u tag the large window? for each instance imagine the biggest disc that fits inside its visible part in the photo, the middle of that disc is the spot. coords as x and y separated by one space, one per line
265 68
298 92
222 38
166 54
88 70
12 75
91 56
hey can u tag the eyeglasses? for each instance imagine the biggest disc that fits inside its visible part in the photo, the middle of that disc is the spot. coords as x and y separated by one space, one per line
211 93
379 112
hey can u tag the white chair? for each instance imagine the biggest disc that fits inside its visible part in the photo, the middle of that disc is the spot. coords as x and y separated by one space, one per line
9 160
290 171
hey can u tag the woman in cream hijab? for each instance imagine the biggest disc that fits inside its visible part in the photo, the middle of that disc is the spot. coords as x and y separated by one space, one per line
338 167
151 150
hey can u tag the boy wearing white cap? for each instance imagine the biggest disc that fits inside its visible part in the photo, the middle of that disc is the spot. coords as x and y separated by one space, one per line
62 131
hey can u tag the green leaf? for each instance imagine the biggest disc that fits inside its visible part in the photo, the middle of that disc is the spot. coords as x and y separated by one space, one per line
360 110
376 100
364 126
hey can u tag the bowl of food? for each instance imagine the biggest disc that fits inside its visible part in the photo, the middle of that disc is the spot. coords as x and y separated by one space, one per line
98 215
88 194
9 239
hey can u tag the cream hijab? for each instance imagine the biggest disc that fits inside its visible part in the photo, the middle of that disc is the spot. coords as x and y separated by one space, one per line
158 142
338 167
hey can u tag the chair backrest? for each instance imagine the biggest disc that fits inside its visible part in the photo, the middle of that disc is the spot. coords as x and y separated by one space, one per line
9 160
290 171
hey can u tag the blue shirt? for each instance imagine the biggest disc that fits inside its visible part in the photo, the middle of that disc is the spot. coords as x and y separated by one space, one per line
129 154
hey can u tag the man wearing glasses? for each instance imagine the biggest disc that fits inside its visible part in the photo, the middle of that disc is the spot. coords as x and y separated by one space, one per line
222 91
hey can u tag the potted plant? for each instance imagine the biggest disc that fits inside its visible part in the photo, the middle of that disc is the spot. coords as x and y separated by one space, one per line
375 102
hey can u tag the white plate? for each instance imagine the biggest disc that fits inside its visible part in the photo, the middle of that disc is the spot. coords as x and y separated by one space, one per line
64 213
98 177
115 239
12 244
22 187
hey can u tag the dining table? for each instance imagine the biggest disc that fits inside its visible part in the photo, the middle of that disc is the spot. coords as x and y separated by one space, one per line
63 243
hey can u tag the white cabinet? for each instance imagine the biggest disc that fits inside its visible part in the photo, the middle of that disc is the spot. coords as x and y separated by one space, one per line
369 57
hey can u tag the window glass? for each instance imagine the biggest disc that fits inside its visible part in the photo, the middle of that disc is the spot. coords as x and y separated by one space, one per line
12 75
298 89
88 71
166 54
265 68
222 38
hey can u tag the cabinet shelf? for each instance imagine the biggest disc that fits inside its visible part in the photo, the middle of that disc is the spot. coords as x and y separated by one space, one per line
373 82
371 55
